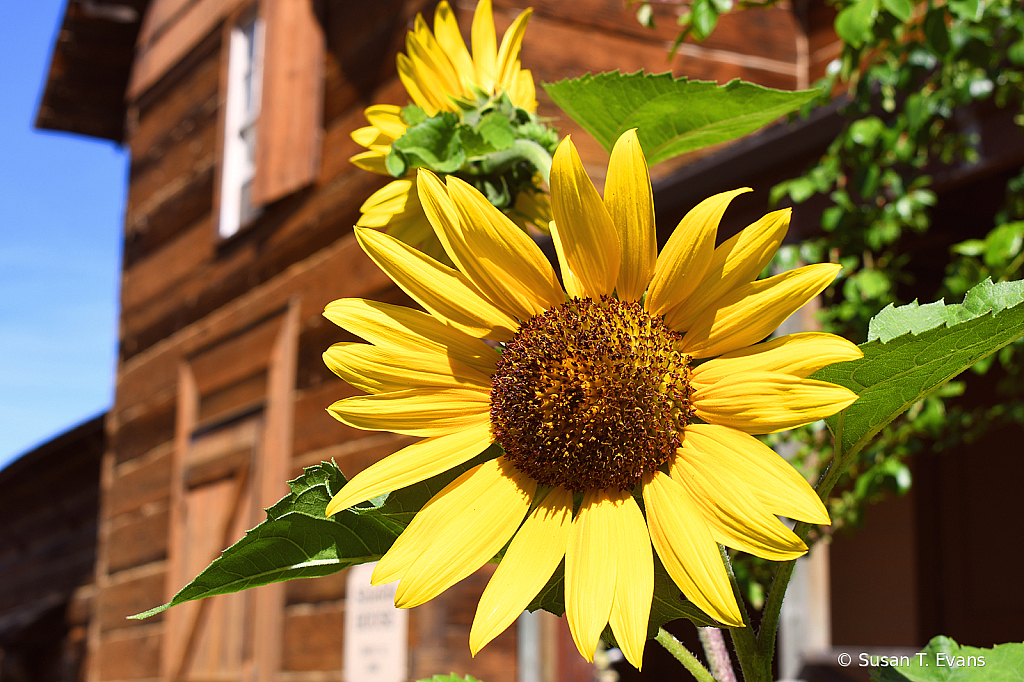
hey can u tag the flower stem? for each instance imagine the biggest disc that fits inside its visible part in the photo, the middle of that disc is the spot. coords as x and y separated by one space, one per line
683 655
717 654
773 604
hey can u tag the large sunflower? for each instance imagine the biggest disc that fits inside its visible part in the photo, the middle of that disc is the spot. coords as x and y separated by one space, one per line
604 393
437 71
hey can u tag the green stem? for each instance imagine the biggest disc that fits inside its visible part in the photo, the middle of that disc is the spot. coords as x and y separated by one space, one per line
743 639
683 655
773 604
521 150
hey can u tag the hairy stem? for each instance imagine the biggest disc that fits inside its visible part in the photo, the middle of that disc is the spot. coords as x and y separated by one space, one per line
683 655
717 654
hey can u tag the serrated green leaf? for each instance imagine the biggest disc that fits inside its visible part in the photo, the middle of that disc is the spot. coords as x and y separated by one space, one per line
672 116
495 128
854 23
914 349
943 660
413 115
450 678
432 144
296 541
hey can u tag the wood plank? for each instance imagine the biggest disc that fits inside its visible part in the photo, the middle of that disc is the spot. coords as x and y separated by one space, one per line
141 484
138 540
131 655
151 428
313 637
130 595
178 38
169 114
289 132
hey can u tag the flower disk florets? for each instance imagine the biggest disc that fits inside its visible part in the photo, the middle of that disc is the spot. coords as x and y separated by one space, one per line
590 395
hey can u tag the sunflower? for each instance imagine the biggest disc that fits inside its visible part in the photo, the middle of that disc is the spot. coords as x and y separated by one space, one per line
607 390
437 72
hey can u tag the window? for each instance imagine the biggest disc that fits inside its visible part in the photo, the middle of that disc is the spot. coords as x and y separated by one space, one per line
242 110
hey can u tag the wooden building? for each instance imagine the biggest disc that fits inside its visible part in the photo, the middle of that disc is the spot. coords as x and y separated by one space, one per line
237 233
50 508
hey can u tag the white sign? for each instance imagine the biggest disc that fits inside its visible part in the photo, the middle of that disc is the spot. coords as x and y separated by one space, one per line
376 633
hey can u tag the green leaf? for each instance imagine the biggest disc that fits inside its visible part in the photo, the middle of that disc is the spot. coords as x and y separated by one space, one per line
935 32
854 23
967 10
914 349
704 19
496 130
901 9
943 660
413 115
672 115
296 541
432 144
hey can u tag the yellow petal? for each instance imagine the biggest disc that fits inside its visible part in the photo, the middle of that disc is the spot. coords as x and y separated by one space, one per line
773 480
485 51
573 285
387 118
687 254
496 255
428 57
589 238
589 576
372 161
686 547
463 527
407 330
419 86
737 261
376 370
735 516
523 92
799 355
530 560
766 402
508 53
412 464
446 29
446 293
634 578
391 198
370 137
751 312
415 411
630 203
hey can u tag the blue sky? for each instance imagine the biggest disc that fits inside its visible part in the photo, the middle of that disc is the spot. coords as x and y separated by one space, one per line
63 200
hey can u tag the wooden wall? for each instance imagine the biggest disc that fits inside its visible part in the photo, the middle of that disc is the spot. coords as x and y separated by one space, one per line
221 391
49 505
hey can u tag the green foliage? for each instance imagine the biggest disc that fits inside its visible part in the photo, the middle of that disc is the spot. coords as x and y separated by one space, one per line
498 148
943 660
672 115
913 349
298 541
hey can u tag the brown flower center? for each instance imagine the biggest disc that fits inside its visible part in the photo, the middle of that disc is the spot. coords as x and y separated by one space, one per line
591 395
